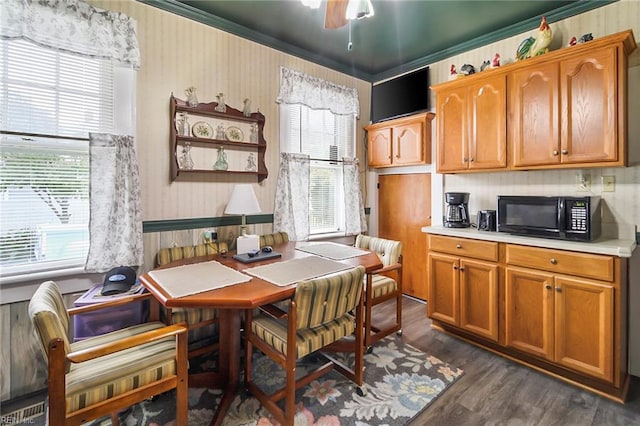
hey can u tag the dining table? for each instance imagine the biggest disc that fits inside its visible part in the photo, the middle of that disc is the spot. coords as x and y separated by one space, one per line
231 302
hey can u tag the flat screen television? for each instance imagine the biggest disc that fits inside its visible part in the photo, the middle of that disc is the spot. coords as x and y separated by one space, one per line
403 95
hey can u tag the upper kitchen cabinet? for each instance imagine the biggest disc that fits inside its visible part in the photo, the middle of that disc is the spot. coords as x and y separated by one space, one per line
403 141
472 127
566 108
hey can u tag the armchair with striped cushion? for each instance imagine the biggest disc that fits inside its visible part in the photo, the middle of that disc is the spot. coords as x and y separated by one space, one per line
202 322
382 285
319 314
102 375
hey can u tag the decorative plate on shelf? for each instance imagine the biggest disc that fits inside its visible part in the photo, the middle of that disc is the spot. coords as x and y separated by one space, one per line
202 129
234 134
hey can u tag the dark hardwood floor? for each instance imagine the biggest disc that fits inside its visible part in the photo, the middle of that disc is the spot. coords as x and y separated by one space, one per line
497 391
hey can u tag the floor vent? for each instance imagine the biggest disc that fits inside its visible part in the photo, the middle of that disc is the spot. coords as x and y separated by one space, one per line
23 415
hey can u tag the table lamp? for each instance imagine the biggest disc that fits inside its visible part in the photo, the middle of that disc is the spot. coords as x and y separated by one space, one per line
243 201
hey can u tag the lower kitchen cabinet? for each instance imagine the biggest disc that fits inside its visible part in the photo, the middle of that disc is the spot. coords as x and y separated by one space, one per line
559 311
565 320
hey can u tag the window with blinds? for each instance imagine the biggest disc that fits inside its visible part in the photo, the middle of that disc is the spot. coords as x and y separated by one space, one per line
326 137
49 102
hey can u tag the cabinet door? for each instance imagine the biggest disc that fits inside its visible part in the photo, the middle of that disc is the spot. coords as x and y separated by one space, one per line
589 121
408 144
380 147
479 298
488 124
442 302
529 311
534 132
451 150
584 326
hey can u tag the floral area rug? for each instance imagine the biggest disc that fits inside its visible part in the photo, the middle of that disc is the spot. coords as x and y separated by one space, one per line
400 381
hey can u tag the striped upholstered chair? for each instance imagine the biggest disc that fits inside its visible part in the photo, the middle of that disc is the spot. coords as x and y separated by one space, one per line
318 314
382 285
274 239
102 375
202 322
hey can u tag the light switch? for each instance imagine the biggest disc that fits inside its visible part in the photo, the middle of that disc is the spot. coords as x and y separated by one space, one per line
608 183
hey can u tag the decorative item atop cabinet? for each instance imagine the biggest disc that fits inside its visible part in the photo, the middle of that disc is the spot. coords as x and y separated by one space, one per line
400 142
233 134
564 109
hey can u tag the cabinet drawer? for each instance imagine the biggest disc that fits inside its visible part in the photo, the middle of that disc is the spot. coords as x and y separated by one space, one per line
486 250
595 266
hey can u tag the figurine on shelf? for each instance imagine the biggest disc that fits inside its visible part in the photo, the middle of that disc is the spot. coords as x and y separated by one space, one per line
221 107
496 61
453 74
251 163
185 162
573 41
192 99
246 110
467 69
221 162
253 136
485 65
220 132
534 46
585 38
183 125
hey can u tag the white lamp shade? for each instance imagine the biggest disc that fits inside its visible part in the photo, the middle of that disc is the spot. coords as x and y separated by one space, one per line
243 201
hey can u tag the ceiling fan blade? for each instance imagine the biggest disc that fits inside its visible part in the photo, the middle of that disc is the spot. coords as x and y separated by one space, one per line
335 15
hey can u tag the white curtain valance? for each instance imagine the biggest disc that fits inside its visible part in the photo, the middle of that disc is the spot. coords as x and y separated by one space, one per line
72 26
316 93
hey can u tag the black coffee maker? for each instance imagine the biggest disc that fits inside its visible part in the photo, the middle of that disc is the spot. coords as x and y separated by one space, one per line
457 213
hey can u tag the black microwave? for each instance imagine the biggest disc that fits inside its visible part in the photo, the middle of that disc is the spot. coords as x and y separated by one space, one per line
566 218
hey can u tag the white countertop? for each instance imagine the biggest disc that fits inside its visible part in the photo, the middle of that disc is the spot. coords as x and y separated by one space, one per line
613 247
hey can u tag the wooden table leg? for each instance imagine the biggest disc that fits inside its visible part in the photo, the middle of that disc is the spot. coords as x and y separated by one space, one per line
228 359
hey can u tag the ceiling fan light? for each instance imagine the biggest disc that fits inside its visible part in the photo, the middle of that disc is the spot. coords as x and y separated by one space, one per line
313 4
358 9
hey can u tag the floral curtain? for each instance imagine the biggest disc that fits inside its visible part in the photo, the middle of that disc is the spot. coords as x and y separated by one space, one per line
355 222
316 93
115 217
73 26
291 210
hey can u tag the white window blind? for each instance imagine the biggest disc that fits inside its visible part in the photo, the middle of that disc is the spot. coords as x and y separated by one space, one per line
49 102
327 138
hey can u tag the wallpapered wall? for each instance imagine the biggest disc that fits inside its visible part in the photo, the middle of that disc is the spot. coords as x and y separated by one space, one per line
622 207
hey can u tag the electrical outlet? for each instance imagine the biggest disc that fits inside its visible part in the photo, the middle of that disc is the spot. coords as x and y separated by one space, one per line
608 183
210 235
583 182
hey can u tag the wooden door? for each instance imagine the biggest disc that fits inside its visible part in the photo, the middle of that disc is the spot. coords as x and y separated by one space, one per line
534 129
452 138
379 147
584 326
589 131
529 311
404 207
479 298
408 145
442 303
488 123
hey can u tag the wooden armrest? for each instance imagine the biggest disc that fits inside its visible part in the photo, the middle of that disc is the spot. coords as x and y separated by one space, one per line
109 303
395 266
126 343
273 311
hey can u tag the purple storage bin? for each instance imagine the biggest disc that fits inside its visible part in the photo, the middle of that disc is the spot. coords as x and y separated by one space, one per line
104 321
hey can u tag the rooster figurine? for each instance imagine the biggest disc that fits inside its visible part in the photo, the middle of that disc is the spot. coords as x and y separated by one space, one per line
534 46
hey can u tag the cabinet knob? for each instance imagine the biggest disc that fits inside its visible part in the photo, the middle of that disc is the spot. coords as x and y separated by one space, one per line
455 267
554 152
559 289
553 261
465 159
565 152
458 246
462 268
548 287
471 159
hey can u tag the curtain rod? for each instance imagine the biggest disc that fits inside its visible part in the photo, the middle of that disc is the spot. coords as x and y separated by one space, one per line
42 135
324 159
